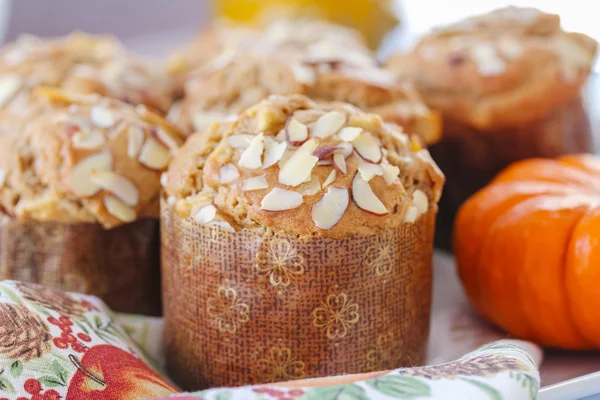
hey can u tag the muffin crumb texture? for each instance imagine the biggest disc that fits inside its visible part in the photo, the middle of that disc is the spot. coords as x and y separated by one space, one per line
85 158
291 165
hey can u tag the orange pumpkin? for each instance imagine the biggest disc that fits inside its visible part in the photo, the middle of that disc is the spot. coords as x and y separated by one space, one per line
528 251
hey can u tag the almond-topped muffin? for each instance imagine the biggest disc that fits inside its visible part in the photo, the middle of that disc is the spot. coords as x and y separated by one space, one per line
508 84
78 63
294 206
79 191
226 37
323 71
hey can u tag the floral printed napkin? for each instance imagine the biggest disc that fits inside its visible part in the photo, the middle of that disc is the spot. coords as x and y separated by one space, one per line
57 345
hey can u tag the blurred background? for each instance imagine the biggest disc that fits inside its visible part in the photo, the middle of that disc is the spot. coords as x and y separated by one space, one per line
154 26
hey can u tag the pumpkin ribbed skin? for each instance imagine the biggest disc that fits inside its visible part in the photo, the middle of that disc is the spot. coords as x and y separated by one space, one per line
528 251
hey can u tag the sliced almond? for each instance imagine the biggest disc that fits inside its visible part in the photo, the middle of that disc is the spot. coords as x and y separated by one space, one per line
206 214
330 178
273 152
300 165
2 178
325 162
363 196
118 185
345 149
165 138
328 124
421 201
281 136
164 179
154 155
310 188
118 209
367 147
390 173
88 140
9 86
340 162
102 117
222 224
280 200
349 133
251 157
255 183
135 139
325 151
79 180
330 208
287 154
296 132
241 142
228 173
171 200
412 213
304 74
368 171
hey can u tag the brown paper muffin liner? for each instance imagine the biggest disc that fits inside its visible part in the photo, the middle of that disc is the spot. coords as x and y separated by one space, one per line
245 307
470 158
121 265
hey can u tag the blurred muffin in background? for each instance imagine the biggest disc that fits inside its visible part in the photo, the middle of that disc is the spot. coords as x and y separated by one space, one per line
322 61
508 86
78 63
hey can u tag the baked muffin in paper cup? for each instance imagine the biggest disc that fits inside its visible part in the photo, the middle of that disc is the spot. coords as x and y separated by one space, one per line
79 198
292 58
508 84
296 243
79 63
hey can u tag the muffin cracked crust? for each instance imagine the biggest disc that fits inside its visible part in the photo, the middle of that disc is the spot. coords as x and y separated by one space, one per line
290 164
505 68
85 159
78 63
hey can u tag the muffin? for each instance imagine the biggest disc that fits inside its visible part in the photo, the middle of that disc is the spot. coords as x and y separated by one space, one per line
324 71
225 37
296 242
79 198
508 84
78 63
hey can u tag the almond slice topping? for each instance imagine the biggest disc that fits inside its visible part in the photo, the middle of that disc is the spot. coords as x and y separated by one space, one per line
411 214
340 162
273 152
363 196
310 188
79 180
304 74
345 149
420 201
118 209
135 139
296 132
280 200
328 124
330 178
102 117
330 208
390 173
368 171
118 185
251 157
255 183
367 147
300 165
164 179
241 142
228 173
325 151
222 224
349 133
206 214
88 140
9 86
154 155
165 138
